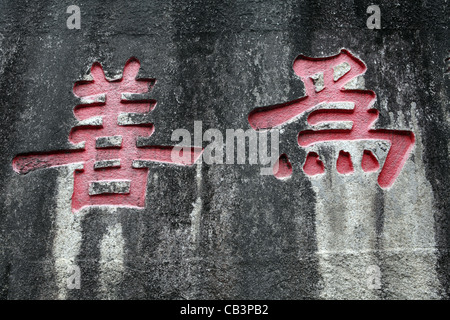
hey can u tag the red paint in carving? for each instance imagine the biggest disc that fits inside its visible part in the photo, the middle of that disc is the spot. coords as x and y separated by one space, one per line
282 168
313 165
362 116
369 162
344 163
127 152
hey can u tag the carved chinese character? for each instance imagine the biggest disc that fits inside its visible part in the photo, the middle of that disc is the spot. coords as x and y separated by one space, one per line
338 111
112 115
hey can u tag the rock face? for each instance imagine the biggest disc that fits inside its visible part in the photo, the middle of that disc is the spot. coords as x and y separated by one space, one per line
94 206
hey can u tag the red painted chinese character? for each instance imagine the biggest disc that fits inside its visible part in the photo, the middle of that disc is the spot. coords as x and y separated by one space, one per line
330 102
111 118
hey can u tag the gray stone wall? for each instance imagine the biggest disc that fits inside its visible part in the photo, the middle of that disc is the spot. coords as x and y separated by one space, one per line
222 231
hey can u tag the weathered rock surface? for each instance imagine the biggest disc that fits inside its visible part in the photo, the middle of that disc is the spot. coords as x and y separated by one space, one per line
219 231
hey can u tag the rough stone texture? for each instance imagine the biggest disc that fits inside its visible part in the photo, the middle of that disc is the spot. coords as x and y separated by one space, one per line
108 142
101 187
225 231
107 164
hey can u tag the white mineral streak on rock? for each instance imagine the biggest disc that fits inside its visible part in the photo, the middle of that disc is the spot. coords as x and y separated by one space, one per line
68 233
196 213
346 207
345 227
111 262
409 237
